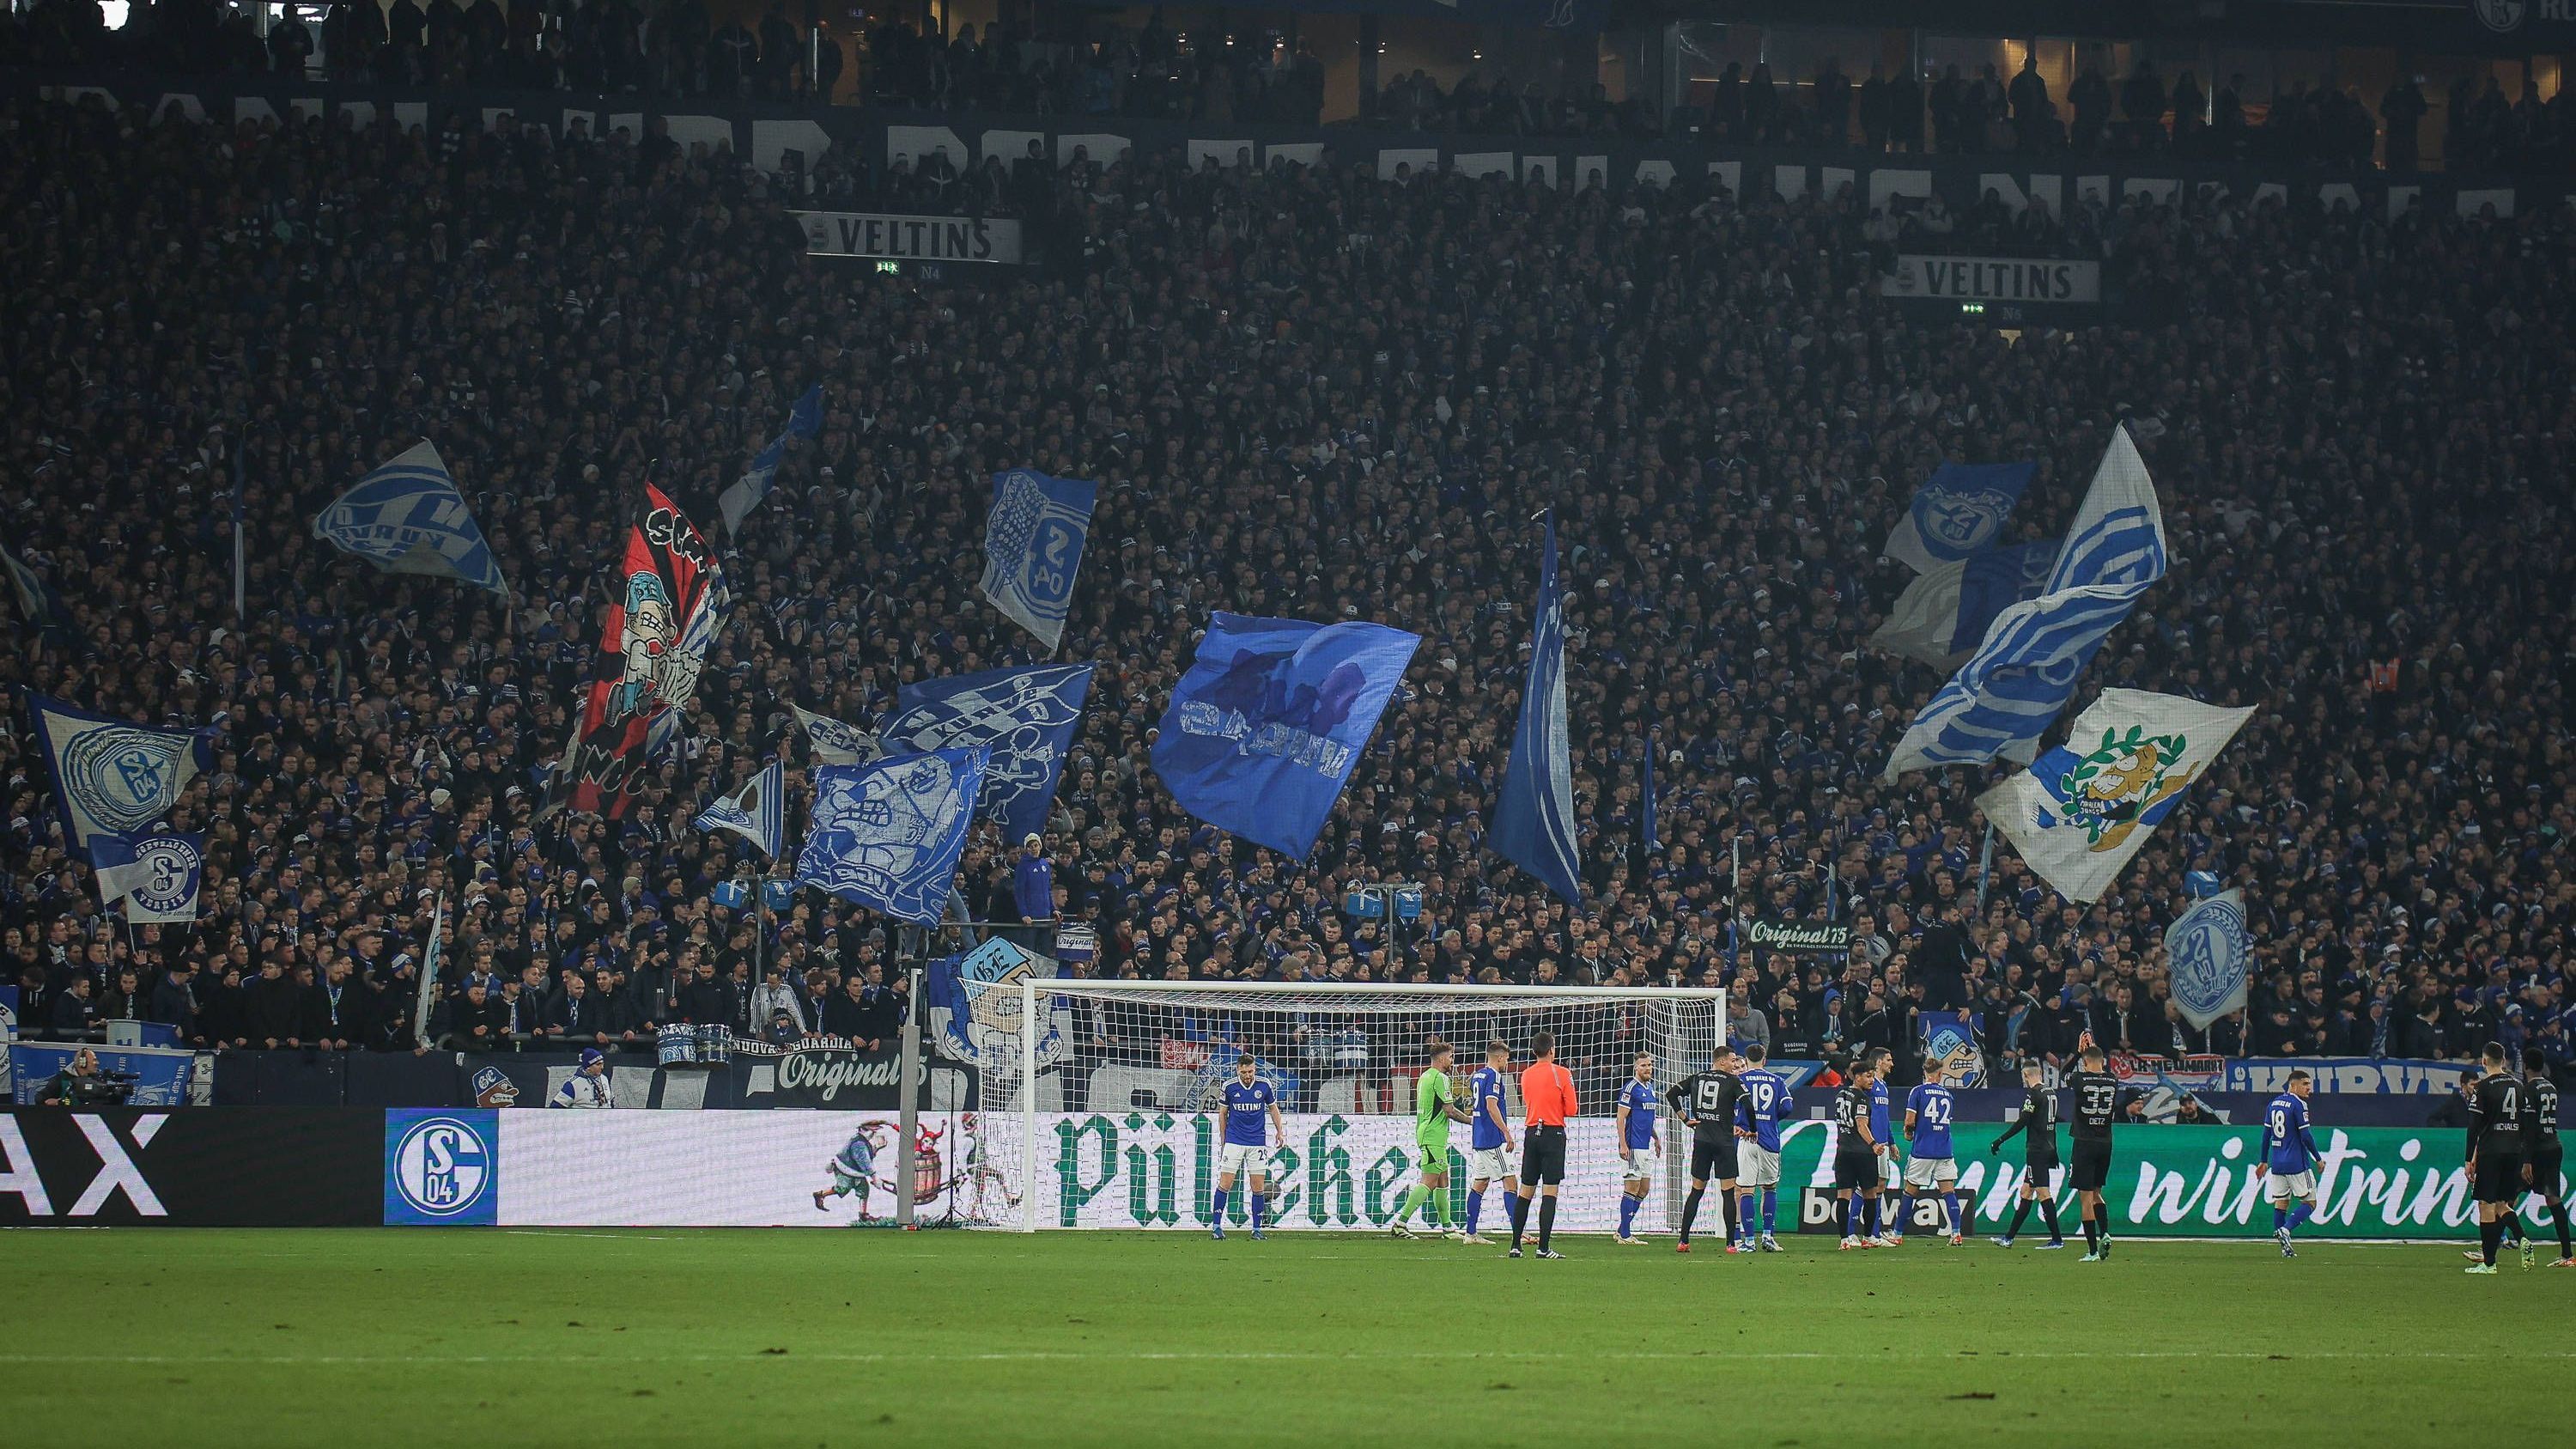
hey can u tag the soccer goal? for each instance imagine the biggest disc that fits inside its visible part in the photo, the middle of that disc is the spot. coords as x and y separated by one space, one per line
1120 1123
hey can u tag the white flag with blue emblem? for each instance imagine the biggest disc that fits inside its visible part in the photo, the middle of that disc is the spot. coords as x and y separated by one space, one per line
757 812
835 743
1960 509
2205 956
406 517
804 420
2082 810
1033 542
112 777
888 834
2023 675
158 877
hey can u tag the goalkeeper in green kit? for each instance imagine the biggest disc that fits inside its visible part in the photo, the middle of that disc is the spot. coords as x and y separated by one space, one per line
1433 1111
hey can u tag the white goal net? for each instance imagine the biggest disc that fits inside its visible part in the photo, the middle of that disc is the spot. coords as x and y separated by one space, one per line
1123 1126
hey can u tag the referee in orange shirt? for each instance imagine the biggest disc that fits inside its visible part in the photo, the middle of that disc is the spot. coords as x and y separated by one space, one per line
1547 1099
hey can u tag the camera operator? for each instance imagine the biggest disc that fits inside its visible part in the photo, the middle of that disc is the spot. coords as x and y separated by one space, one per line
75 1085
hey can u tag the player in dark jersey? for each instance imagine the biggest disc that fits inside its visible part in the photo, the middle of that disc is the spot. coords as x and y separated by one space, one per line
2097 1103
2545 1158
2037 1128
1855 1151
1707 1101
2495 1154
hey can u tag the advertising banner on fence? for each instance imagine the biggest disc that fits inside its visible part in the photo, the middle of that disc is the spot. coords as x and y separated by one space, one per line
160 1075
738 1169
2344 1074
910 238
834 1073
1800 937
205 1167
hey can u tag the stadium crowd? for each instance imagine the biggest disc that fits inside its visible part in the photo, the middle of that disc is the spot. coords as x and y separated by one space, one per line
1306 393
1084 63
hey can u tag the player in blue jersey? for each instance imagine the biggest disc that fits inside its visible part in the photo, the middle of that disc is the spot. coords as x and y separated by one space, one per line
1638 1146
2290 1156
1931 1164
1757 1117
1489 1135
1251 1112
1891 1176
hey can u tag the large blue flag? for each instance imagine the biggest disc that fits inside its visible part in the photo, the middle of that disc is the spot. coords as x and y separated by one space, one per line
158 876
888 833
1264 729
1025 717
1534 809
1032 547
2023 675
112 777
407 518
804 420
757 812
1960 509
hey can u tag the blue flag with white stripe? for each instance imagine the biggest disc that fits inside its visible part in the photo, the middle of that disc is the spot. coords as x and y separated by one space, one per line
112 777
1024 717
804 420
1264 729
1534 809
1033 542
1960 509
757 812
406 517
1943 615
2023 675
888 834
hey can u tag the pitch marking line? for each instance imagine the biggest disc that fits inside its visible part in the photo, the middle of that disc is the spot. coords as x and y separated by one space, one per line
1196 1356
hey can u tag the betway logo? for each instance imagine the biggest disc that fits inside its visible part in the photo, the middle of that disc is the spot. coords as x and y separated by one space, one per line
826 1073
117 1171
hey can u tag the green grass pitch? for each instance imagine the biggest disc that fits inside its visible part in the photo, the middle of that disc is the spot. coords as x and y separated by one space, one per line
465 1337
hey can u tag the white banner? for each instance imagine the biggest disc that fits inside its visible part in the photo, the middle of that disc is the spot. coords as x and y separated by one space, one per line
1993 279
910 238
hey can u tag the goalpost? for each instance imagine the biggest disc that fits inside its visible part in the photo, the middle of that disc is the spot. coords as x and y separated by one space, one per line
1118 1125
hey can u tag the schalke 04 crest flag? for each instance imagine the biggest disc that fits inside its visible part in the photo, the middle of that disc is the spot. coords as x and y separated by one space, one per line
888 833
1263 730
2205 955
757 812
112 777
1960 509
835 743
406 517
158 877
668 604
2084 808
1033 546
1534 809
1025 717
2024 672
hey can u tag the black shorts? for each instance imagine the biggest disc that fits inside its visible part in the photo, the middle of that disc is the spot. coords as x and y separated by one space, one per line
2548 1163
2092 1167
1713 1161
1855 1172
2499 1177
2041 1163
1542 1157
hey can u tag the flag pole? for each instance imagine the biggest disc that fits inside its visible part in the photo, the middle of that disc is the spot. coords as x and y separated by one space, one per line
1985 866
241 589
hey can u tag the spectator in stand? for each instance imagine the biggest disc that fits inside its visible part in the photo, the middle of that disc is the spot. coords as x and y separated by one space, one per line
1033 881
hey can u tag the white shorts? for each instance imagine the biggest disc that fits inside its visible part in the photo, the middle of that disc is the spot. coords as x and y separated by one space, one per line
1759 1167
1889 1174
1928 1172
1242 1157
2284 1186
1638 1166
1490 1164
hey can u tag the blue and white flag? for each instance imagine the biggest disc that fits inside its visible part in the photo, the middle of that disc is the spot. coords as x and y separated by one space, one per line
407 518
112 777
37 602
803 421
2024 673
1534 809
888 834
1025 717
974 1004
2082 810
1943 615
835 743
1263 730
159 877
1960 509
2205 955
757 812
1033 546
1950 1037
